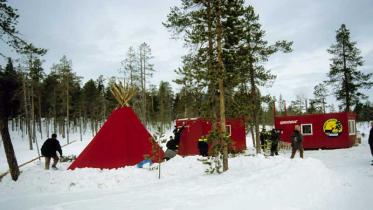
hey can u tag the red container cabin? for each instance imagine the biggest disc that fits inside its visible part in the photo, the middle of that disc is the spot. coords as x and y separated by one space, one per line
325 131
198 127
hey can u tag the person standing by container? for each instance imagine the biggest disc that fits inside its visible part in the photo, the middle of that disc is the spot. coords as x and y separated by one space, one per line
203 146
297 142
177 133
262 136
275 137
370 140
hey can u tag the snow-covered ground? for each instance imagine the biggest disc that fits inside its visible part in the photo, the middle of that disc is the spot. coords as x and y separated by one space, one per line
325 179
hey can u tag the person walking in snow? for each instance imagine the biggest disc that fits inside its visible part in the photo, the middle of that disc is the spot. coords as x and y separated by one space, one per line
49 150
370 140
297 142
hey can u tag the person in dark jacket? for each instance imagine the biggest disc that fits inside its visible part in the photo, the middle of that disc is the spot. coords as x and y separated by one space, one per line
297 142
262 137
275 137
203 146
177 133
370 140
49 150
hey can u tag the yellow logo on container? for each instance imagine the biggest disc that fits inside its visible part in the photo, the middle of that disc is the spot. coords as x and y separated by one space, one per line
332 127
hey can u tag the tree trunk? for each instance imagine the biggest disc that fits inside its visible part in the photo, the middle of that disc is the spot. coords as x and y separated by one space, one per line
40 120
33 114
9 151
253 136
346 79
80 123
27 116
255 109
54 111
144 89
47 124
67 112
221 85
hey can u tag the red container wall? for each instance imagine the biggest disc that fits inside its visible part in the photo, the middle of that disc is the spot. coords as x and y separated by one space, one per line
238 134
197 127
189 138
318 139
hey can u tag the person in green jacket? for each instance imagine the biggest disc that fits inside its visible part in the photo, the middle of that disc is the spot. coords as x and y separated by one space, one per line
297 142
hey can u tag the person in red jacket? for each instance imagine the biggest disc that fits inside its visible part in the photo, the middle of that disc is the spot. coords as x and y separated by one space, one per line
49 150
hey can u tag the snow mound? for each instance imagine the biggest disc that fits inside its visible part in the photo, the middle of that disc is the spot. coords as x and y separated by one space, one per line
251 181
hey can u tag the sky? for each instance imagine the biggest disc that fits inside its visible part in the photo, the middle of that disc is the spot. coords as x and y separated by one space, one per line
95 35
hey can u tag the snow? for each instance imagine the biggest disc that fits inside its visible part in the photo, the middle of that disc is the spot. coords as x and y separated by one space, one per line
325 179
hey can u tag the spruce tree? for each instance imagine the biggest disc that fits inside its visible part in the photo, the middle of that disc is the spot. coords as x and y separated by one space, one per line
344 76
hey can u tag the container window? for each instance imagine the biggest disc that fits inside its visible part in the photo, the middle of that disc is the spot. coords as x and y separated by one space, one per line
351 127
229 129
306 129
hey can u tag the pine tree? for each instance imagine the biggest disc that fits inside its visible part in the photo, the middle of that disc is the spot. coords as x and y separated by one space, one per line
165 98
37 76
199 22
254 52
364 111
50 103
344 75
66 80
9 33
281 104
101 95
298 106
319 102
146 71
130 68
9 107
90 97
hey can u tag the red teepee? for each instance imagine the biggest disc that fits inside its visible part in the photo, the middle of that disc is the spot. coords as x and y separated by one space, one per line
122 141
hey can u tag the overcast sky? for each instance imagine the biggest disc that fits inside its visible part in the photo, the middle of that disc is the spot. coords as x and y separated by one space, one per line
96 35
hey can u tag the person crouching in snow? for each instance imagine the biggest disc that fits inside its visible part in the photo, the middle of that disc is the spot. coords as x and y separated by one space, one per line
172 149
203 146
49 150
297 142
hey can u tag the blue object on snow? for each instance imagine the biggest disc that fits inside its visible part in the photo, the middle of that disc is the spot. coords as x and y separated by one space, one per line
142 163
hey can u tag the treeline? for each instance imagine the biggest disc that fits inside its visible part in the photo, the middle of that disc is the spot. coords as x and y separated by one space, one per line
318 104
62 102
